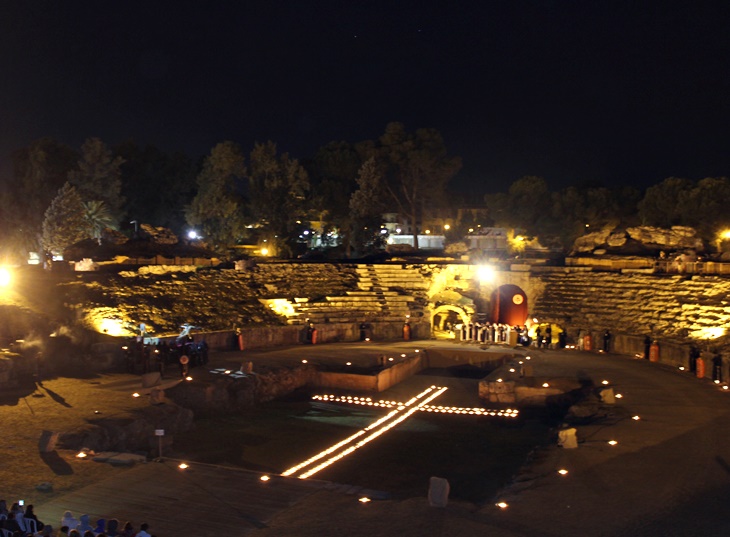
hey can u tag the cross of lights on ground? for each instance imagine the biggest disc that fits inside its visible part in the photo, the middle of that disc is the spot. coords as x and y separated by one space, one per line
400 413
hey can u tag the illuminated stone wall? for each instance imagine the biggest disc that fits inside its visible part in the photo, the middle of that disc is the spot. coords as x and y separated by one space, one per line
676 307
679 307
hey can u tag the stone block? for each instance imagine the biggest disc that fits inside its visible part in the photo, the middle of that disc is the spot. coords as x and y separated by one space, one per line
506 398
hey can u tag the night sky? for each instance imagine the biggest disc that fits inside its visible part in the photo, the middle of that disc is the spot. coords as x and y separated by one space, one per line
618 92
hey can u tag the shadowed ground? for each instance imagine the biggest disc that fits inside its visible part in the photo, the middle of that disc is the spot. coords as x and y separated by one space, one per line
668 474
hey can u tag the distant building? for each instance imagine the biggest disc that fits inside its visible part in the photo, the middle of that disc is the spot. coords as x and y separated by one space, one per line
487 239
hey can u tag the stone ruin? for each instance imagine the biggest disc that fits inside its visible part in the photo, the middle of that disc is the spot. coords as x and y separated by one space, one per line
640 240
157 235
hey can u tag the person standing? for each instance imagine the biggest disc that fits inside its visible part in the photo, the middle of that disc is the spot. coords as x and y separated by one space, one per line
717 366
548 336
694 353
647 347
606 340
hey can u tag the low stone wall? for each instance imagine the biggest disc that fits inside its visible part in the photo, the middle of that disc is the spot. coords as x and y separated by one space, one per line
226 394
276 336
347 381
130 433
381 381
390 376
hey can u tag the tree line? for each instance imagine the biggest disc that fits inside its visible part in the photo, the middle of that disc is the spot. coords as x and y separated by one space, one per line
557 218
57 196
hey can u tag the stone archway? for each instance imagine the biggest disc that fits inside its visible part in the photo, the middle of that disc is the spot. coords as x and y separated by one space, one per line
445 317
509 305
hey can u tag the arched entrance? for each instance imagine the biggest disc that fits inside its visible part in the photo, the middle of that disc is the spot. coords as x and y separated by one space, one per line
445 318
509 305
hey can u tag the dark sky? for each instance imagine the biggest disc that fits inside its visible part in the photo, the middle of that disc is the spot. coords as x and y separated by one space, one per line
621 92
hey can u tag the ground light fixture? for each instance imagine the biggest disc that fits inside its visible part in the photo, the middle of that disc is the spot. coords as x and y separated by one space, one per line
183 466
635 418
604 382
502 505
399 413
563 471
264 478
612 442
619 396
364 499
362 437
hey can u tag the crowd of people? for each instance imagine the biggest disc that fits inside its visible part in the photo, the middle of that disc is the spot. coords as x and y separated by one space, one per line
486 332
21 521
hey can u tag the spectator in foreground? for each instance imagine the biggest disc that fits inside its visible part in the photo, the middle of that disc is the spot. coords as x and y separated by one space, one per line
100 526
69 521
11 524
112 527
84 524
143 530
128 530
29 514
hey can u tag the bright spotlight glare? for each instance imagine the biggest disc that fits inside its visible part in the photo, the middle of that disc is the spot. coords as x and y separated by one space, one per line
485 273
5 277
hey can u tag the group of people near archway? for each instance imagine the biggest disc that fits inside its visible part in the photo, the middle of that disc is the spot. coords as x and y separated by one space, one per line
486 332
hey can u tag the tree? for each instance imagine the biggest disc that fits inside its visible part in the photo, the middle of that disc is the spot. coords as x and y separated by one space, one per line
661 205
278 186
98 218
366 206
98 176
64 223
217 207
704 207
417 171
523 206
157 186
38 172
333 177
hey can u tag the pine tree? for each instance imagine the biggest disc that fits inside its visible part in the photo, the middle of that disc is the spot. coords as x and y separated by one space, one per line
64 223
98 176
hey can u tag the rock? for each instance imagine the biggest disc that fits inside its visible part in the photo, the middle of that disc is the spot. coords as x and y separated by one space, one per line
86 265
112 236
675 238
157 235
44 487
587 243
615 240
638 240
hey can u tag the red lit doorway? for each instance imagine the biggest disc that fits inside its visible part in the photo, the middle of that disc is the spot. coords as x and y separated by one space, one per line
509 305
